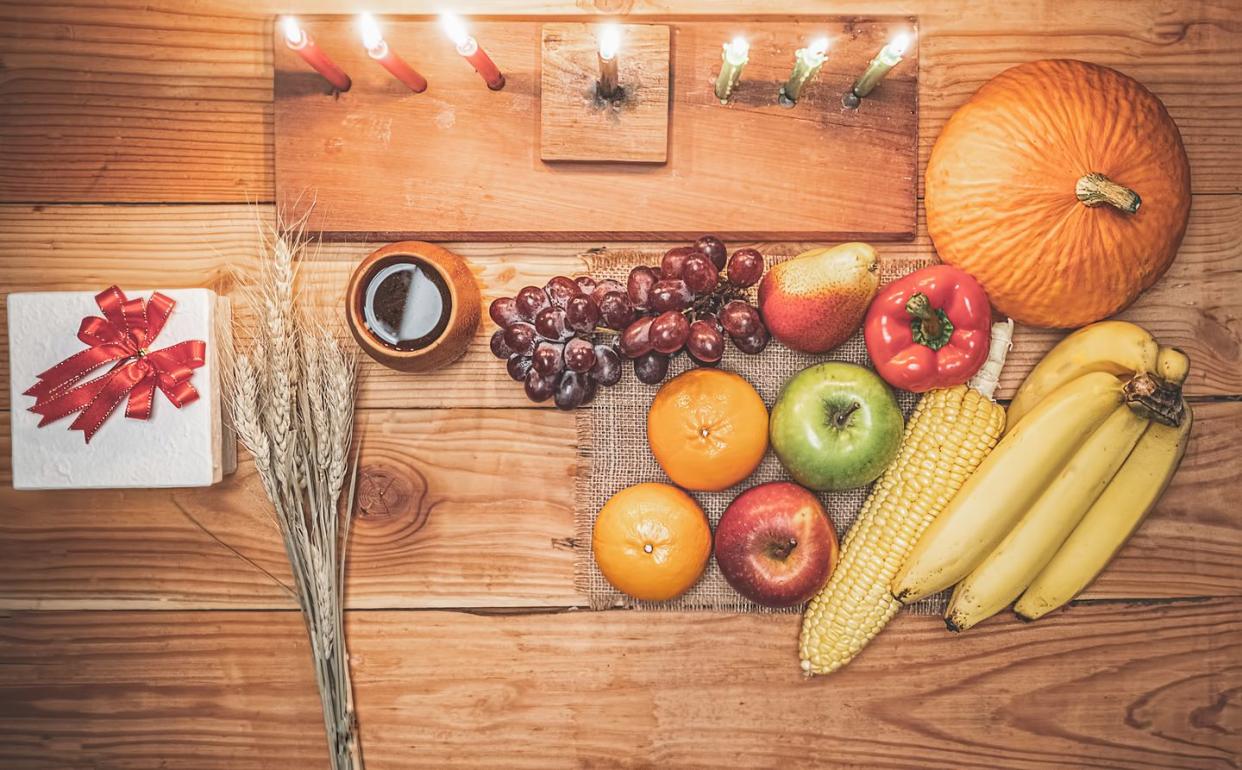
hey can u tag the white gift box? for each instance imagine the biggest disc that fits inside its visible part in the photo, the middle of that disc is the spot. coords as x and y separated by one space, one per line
186 447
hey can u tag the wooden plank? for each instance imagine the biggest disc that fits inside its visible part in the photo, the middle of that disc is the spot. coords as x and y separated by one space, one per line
460 162
1195 306
128 101
472 508
177 103
1098 686
454 511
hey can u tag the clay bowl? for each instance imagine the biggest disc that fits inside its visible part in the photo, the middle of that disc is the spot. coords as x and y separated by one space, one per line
464 306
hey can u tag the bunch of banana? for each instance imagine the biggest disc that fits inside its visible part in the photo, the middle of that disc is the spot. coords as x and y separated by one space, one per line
1095 434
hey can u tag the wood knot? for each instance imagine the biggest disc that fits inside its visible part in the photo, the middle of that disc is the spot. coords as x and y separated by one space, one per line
385 492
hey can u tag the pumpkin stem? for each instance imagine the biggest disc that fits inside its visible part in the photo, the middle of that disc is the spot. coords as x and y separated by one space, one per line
930 326
1096 190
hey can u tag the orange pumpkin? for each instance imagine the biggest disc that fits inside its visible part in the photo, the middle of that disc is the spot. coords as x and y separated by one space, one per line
1063 187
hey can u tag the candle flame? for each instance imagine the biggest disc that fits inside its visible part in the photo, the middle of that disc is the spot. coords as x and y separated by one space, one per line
293 32
609 41
455 29
372 38
737 50
818 46
900 44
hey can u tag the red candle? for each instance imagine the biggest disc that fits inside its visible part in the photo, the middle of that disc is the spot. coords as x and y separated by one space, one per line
301 43
378 50
468 47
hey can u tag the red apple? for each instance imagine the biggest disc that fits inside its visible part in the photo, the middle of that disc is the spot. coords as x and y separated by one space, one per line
776 545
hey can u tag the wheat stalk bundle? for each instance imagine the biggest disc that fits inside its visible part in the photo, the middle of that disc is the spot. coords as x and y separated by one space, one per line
290 396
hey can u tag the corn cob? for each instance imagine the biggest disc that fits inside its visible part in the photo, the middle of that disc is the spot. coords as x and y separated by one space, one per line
948 435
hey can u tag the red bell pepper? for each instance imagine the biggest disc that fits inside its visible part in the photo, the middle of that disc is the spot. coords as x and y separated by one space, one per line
930 329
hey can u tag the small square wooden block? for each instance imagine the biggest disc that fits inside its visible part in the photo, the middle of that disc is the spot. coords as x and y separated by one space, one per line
576 123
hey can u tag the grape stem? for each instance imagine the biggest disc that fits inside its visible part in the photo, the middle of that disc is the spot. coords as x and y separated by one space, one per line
723 293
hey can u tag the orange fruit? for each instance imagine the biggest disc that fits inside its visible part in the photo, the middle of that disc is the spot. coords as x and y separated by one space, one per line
651 541
708 429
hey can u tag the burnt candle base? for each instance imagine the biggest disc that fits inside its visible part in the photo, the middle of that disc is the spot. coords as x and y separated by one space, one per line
594 109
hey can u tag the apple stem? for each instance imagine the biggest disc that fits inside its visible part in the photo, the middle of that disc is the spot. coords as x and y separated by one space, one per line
842 417
781 551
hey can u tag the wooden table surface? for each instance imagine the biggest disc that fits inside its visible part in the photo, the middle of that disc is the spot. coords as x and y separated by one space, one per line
154 628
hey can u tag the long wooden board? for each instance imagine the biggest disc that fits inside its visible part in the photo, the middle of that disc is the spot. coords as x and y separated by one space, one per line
462 162
1098 686
472 508
178 104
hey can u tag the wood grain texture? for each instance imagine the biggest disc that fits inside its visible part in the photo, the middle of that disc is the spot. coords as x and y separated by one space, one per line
128 101
462 162
443 521
579 123
170 100
1095 686
177 102
472 508
1196 306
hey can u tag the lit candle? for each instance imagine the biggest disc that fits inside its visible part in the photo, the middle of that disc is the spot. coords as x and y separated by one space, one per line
468 47
888 57
807 62
609 41
301 43
377 49
734 57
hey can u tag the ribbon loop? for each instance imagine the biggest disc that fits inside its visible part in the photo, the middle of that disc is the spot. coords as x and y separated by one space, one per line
121 337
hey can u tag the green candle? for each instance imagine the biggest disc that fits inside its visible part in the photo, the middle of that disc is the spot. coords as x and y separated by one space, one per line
734 57
888 57
807 62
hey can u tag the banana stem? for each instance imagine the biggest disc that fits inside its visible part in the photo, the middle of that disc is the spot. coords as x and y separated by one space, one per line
1156 399
988 376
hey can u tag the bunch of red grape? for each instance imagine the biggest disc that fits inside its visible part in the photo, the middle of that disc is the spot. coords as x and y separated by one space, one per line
691 301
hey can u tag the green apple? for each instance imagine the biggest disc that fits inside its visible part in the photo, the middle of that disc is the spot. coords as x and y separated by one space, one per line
836 426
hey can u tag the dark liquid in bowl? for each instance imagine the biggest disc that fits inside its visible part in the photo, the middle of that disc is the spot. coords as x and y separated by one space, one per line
406 304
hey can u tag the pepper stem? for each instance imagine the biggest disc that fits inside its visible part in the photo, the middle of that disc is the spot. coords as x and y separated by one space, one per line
930 326
1096 189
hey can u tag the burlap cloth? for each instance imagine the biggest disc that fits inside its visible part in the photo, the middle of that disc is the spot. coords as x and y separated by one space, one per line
613 452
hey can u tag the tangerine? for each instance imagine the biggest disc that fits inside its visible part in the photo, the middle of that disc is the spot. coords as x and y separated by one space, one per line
651 541
708 429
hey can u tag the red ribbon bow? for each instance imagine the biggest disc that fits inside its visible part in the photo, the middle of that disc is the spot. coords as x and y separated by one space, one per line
122 336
